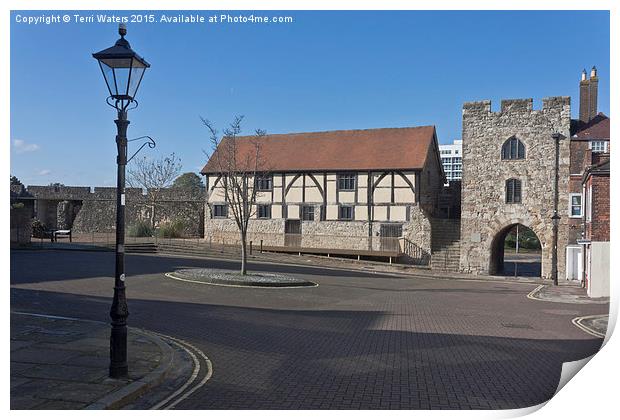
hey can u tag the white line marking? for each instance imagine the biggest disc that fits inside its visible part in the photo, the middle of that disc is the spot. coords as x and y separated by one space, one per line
577 323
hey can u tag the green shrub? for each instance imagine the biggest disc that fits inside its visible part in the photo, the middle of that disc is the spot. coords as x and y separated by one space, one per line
172 229
142 229
39 229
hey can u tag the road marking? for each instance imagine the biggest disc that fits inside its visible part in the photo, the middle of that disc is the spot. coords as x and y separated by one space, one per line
172 276
191 350
533 292
577 323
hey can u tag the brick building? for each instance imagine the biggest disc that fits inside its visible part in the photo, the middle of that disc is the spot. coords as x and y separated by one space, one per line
596 228
358 190
589 147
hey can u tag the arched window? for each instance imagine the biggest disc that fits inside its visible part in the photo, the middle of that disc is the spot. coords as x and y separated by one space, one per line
513 149
513 191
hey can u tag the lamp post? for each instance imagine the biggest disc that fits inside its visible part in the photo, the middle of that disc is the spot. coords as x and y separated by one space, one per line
555 218
122 70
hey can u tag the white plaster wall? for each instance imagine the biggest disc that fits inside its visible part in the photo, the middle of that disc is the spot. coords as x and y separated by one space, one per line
404 195
380 213
346 197
313 195
361 213
332 212
398 213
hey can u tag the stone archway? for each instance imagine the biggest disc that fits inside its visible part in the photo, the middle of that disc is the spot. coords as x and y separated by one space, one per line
501 262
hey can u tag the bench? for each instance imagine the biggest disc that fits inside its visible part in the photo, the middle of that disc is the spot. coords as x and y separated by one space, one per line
62 233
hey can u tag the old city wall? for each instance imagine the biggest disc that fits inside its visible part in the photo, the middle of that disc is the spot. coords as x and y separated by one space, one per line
485 213
85 210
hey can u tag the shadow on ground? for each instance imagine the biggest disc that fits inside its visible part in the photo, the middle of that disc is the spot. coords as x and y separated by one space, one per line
81 265
304 359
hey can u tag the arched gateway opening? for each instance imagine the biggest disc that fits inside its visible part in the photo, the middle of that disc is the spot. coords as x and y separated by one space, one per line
516 251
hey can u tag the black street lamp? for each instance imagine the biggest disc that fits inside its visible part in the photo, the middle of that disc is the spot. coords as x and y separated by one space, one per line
123 70
555 218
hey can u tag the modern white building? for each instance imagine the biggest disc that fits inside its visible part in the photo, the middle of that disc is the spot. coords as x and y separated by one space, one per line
451 159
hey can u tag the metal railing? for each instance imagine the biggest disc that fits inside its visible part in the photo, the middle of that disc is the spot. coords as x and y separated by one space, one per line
413 251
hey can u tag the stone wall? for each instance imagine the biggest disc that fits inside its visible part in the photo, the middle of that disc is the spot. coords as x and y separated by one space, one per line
484 211
327 234
431 182
21 225
86 210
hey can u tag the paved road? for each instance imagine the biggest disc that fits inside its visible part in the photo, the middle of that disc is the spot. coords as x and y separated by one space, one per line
357 341
524 264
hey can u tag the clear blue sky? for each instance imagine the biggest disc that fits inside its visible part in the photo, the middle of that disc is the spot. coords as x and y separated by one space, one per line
324 71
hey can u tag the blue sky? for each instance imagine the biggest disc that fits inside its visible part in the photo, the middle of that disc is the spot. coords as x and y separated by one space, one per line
325 71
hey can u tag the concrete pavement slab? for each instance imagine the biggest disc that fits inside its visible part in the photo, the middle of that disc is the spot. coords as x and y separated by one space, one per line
61 363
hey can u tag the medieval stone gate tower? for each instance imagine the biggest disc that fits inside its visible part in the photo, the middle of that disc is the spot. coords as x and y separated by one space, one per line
508 179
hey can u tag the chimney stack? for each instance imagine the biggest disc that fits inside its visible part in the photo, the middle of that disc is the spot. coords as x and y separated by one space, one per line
588 95
593 93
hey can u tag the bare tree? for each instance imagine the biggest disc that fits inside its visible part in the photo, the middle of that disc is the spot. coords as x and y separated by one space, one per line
154 175
237 163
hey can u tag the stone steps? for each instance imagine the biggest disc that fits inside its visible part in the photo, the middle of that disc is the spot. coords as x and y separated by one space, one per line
201 250
141 248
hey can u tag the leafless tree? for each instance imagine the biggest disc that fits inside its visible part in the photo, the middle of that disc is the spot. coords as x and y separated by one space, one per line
237 163
154 175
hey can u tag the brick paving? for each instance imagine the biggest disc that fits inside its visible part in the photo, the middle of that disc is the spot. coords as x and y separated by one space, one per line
63 364
359 340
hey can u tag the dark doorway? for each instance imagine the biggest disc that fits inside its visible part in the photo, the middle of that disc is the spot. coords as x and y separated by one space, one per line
389 234
516 251
292 233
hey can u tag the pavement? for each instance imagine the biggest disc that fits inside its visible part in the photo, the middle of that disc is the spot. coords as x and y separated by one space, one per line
360 339
59 363
565 294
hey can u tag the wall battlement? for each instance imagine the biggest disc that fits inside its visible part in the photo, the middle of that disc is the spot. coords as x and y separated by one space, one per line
47 192
510 106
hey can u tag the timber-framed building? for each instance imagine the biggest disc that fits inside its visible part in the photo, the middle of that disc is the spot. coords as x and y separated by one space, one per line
370 192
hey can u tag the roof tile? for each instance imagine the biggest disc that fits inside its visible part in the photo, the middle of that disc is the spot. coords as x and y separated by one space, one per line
372 149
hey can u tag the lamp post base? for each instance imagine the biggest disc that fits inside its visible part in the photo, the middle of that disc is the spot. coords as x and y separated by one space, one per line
118 352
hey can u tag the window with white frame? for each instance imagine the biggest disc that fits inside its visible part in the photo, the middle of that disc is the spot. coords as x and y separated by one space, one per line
575 205
598 146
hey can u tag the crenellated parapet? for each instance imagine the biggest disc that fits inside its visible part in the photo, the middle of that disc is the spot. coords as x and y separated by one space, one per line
553 104
68 193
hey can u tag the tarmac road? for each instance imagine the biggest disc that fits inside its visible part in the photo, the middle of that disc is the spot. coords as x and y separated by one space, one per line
359 340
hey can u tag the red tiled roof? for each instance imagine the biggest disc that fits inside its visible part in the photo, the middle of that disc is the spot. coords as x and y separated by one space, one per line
373 149
595 129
